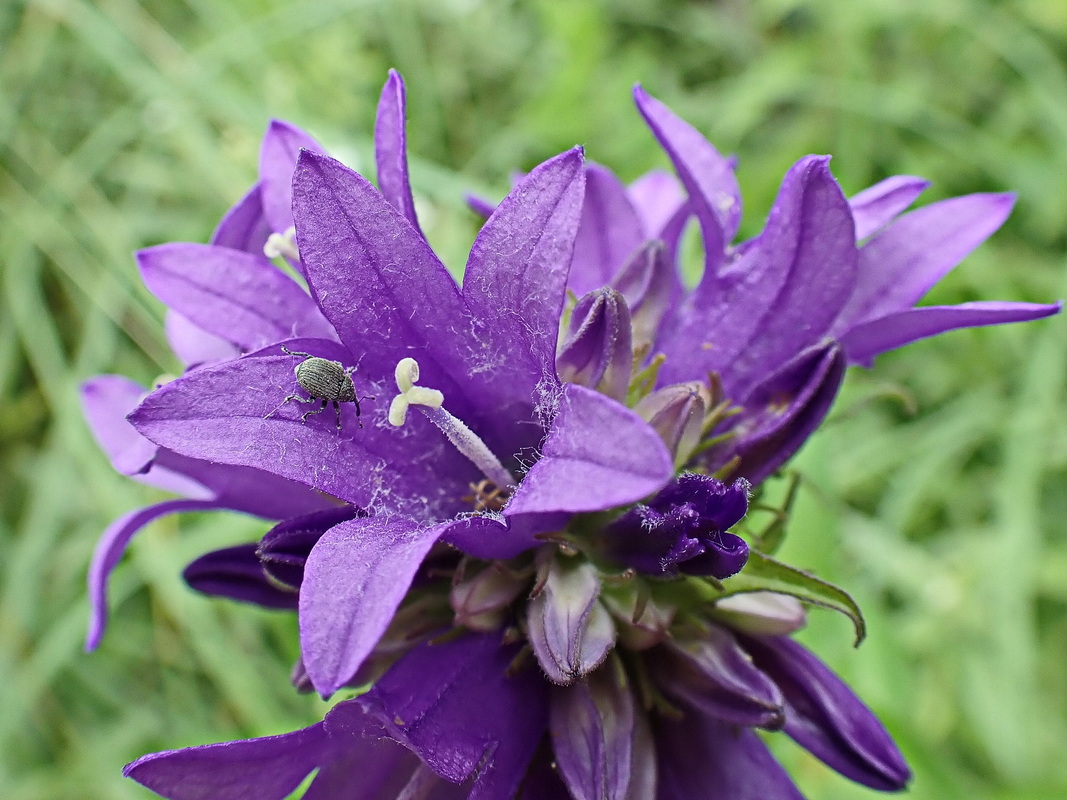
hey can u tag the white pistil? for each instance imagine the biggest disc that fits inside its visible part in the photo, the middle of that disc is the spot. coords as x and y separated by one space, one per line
282 244
430 403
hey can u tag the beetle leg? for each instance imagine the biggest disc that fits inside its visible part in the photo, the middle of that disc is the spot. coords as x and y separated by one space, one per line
286 400
337 411
293 353
318 410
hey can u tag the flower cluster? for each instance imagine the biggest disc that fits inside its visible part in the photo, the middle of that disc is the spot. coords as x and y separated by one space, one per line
519 543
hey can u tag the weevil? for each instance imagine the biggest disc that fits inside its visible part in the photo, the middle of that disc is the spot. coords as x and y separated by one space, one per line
325 380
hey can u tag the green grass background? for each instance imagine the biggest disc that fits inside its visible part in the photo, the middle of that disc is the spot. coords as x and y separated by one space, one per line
126 123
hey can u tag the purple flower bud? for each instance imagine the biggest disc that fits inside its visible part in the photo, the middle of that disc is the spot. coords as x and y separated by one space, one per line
481 602
648 282
677 414
236 573
684 529
570 630
285 548
598 352
642 622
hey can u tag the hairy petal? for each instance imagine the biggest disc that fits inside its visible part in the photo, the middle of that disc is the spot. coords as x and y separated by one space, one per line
878 205
390 148
610 230
868 339
355 578
598 454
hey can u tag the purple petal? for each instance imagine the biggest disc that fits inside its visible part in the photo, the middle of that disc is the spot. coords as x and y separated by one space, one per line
569 629
465 711
610 230
598 352
515 284
106 400
285 548
253 769
878 205
480 206
868 339
780 296
899 265
354 580
715 676
650 284
598 455
784 410
236 413
278 157
708 178
490 537
824 716
593 725
236 573
698 751
109 550
390 149
193 345
241 297
656 196
244 227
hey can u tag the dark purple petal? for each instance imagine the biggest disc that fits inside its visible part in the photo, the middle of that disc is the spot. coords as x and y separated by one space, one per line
715 676
593 725
779 297
650 284
598 455
878 205
784 410
241 297
278 157
354 580
825 716
465 711
109 550
252 769
244 227
515 285
193 345
698 752
542 780
106 400
598 352
569 629
610 230
236 573
236 413
390 149
868 339
708 178
899 265
285 548
656 196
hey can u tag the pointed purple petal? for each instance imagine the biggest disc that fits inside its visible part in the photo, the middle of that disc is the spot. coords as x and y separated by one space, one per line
244 227
716 676
109 550
390 149
656 196
252 769
480 206
784 410
868 339
236 413
708 178
609 232
878 205
236 573
598 454
825 716
193 345
278 156
900 265
354 580
780 296
465 710
697 752
241 297
593 725
569 629
106 400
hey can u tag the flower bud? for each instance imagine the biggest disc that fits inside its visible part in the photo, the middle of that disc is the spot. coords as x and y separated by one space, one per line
598 352
648 282
761 613
481 602
677 414
642 622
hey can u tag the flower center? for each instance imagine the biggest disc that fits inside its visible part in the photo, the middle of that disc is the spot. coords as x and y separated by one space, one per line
282 244
431 403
